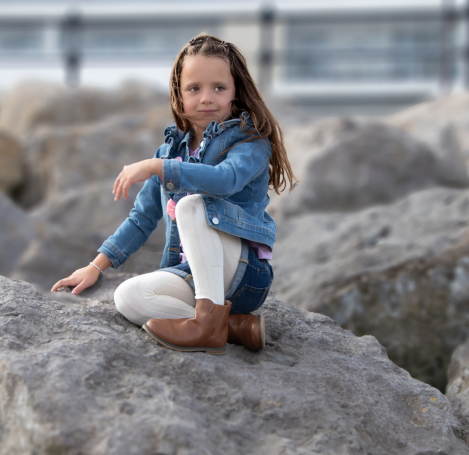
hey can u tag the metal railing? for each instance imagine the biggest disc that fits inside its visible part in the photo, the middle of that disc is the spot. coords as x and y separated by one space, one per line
449 57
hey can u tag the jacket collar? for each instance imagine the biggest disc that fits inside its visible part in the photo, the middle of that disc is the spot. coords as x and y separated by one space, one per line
174 136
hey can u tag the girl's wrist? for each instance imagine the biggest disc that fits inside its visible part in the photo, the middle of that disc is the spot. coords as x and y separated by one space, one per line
96 267
100 262
92 271
156 167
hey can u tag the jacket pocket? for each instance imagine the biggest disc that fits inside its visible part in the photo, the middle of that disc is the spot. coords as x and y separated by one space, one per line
232 211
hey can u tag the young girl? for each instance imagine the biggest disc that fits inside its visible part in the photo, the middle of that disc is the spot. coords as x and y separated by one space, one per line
209 182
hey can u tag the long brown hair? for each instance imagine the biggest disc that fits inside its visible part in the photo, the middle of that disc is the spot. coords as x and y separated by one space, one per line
247 98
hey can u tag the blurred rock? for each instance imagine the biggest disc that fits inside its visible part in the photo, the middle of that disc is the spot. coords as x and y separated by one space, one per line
398 272
315 389
458 386
59 159
16 231
442 123
32 104
70 229
11 166
303 144
357 165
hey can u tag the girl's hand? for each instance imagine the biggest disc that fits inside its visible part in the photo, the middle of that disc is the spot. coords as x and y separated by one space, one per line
134 173
81 278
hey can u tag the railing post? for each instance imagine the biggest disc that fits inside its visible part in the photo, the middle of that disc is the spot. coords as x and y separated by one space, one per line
266 51
71 48
446 66
466 45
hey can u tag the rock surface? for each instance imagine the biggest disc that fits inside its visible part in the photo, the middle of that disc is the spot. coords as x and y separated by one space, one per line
72 226
16 232
78 378
369 164
458 386
11 164
442 123
33 104
397 272
303 144
59 159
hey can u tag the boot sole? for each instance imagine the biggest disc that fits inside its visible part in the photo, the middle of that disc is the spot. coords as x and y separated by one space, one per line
262 331
212 351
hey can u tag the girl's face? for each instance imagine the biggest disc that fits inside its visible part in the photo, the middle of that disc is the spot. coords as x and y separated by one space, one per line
207 89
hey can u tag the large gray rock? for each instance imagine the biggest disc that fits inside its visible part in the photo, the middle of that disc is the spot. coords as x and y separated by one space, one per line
78 378
398 272
458 386
59 159
11 163
72 226
369 164
16 231
32 104
305 143
442 123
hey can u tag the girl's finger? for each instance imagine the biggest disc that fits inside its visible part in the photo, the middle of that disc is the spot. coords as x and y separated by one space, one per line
125 190
118 192
60 283
116 184
79 288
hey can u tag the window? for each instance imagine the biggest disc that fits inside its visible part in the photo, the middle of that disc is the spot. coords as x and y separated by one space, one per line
363 52
137 40
21 38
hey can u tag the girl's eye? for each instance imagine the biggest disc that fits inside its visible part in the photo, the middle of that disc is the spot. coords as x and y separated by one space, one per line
219 88
193 89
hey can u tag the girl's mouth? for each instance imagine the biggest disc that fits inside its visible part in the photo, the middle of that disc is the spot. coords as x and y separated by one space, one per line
207 111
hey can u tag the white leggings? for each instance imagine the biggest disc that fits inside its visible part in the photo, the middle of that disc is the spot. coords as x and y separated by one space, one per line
213 257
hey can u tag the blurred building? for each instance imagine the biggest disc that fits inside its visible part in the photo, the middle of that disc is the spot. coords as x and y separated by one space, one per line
310 51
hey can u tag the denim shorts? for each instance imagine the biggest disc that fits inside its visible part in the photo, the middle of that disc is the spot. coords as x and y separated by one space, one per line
250 284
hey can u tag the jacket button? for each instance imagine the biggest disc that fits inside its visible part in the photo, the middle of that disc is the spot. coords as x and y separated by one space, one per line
170 186
215 220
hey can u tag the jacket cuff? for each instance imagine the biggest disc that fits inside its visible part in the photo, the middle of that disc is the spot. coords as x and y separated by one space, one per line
170 180
110 250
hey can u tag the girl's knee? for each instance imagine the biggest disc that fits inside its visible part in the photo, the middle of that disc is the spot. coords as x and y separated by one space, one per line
122 296
190 206
126 301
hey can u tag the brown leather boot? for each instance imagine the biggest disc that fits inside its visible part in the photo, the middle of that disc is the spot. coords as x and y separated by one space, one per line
207 331
247 330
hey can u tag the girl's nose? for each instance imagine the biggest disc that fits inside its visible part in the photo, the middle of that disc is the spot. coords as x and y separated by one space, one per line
206 97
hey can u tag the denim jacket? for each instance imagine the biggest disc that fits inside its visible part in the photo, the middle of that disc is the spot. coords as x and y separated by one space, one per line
233 186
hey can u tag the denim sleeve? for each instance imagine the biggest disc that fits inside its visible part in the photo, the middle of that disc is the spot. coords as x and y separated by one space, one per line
243 164
136 229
